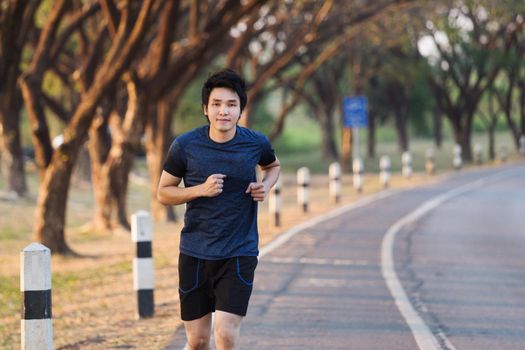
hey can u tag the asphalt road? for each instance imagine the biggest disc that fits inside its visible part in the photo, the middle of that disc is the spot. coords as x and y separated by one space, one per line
431 268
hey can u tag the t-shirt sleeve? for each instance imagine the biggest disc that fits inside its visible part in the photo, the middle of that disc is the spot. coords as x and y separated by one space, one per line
267 153
175 163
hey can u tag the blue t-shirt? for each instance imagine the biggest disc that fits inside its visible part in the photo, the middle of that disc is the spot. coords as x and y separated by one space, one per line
224 226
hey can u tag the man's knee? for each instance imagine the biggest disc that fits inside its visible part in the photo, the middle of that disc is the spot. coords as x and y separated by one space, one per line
227 336
199 341
198 333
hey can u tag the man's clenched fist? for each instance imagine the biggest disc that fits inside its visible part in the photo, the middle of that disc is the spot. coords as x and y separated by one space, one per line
257 190
213 185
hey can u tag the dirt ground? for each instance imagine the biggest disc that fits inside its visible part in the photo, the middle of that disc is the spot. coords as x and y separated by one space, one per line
94 304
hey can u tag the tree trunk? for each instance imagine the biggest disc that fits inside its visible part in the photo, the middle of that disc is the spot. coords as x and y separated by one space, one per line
397 96
506 105
113 179
102 210
522 106
118 174
462 131
492 146
466 147
462 138
438 128
327 134
110 182
51 206
98 146
371 140
11 151
17 18
40 131
158 137
400 121
466 144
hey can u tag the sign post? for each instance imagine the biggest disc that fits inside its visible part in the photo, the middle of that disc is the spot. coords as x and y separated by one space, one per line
355 116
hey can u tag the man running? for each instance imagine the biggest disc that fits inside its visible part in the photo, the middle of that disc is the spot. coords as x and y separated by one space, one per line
219 240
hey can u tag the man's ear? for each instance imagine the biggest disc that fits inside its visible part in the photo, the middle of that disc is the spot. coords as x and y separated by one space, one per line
205 109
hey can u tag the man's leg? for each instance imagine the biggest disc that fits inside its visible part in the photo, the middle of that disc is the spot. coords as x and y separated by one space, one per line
227 330
198 333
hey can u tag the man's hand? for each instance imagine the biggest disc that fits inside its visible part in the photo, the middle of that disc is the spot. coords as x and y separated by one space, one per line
257 190
213 185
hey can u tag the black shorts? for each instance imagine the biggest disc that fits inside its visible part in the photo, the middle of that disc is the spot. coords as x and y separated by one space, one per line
209 285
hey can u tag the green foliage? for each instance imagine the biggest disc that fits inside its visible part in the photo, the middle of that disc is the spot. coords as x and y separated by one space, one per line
301 136
42 13
421 106
403 73
262 118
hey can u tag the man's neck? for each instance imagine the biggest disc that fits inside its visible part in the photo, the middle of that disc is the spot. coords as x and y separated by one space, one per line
222 137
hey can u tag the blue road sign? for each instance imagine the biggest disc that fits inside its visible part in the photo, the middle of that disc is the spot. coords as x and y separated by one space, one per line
355 112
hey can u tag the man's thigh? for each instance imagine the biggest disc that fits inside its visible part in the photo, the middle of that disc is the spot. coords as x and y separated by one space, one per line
199 328
227 322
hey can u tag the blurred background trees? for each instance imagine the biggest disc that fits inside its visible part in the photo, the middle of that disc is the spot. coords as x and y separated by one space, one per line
87 86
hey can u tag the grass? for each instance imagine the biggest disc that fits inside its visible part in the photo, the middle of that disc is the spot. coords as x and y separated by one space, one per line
318 163
9 308
314 160
66 286
10 296
299 146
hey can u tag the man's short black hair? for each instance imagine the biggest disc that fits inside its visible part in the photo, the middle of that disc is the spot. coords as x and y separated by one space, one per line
226 78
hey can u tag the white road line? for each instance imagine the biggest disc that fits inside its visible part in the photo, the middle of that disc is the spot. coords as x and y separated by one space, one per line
424 337
317 261
285 237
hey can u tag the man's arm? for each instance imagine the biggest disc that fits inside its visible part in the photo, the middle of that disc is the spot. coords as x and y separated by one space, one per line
270 172
169 192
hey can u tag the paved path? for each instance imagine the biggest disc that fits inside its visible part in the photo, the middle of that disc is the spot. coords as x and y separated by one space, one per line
464 264
324 288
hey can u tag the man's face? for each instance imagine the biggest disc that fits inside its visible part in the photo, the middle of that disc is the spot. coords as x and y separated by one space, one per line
223 109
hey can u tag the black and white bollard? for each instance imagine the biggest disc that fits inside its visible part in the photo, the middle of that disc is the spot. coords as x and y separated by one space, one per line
143 269
334 173
385 166
406 164
303 183
274 203
429 161
457 161
522 145
35 285
358 169
478 150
